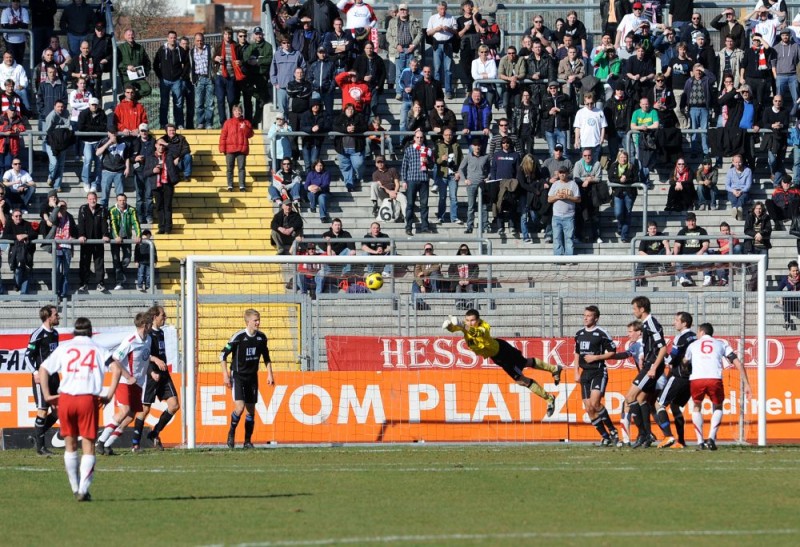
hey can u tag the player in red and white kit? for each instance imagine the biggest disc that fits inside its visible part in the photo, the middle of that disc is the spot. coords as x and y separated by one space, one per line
82 364
706 356
134 355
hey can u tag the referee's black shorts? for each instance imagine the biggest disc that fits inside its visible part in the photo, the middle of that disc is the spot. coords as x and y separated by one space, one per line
675 392
594 380
245 388
510 359
162 389
54 381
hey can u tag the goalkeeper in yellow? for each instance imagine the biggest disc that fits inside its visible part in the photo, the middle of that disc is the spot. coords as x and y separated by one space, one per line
476 333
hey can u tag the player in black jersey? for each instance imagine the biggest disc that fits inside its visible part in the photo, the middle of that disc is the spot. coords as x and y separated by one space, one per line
157 384
654 350
676 391
248 347
42 343
593 346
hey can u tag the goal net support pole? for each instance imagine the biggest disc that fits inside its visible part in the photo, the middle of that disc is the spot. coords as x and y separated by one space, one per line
193 261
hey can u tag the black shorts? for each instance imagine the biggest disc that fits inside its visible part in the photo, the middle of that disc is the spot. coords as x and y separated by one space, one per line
675 392
644 382
54 381
510 359
162 389
593 380
245 388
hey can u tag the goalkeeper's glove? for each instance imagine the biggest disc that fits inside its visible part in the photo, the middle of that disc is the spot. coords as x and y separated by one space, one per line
450 321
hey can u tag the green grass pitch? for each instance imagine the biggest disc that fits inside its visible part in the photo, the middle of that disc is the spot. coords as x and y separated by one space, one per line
498 495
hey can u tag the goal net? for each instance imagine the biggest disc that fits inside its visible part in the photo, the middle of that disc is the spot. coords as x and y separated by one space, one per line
354 365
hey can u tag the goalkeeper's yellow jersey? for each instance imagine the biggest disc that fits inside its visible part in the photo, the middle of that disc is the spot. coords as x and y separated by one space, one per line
478 339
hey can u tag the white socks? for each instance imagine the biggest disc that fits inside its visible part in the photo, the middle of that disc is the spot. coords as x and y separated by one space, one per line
87 473
71 465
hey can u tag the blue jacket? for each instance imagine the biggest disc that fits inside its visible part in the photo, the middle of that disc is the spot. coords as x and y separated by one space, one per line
408 79
320 74
281 71
323 180
504 165
476 118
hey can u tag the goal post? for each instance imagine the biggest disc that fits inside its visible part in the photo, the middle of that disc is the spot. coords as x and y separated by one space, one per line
556 293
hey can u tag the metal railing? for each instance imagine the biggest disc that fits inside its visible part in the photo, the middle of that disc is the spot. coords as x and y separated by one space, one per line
667 237
76 243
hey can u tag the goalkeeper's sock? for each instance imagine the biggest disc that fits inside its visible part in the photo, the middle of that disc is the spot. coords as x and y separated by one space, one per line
644 408
249 425
697 420
680 425
235 421
603 415
598 425
138 427
716 420
166 417
662 419
87 473
71 463
539 390
107 431
543 365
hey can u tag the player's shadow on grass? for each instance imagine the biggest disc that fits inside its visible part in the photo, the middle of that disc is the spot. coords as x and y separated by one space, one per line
220 497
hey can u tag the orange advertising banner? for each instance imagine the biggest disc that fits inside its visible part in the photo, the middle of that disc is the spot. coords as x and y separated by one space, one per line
416 406
18 409
453 406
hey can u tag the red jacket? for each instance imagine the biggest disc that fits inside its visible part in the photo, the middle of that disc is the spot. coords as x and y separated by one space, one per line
129 115
235 135
11 143
355 93
783 198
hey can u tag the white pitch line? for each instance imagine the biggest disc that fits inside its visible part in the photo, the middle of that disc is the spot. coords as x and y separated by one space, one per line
520 535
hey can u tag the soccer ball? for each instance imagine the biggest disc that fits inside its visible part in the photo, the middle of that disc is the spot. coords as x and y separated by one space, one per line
374 281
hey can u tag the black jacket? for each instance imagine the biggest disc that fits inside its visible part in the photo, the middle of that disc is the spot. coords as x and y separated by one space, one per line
309 120
150 162
101 48
299 96
561 120
145 149
93 225
761 225
519 114
171 64
376 69
340 125
427 93
95 123
618 113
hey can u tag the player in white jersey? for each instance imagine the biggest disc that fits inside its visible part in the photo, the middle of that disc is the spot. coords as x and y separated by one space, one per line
706 356
82 365
134 354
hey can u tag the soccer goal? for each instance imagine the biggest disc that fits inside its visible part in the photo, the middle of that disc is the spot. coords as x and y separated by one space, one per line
354 365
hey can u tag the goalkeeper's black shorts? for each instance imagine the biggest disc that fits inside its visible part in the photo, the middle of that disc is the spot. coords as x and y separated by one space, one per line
510 359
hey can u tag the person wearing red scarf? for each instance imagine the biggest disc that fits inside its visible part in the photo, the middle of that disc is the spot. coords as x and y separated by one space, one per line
682 194
228 60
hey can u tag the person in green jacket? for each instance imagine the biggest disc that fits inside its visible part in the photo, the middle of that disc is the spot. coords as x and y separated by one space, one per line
258 58
130 56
